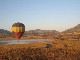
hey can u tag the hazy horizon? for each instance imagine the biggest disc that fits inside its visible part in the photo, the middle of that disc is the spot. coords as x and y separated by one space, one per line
40 14
44 29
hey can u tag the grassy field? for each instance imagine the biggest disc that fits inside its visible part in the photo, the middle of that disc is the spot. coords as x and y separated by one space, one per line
59 50
23 38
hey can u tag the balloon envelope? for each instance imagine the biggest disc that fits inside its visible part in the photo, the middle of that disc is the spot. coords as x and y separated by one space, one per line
18 30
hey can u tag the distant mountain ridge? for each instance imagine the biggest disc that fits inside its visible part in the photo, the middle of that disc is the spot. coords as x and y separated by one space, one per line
72 30
31 32
43 32
5 32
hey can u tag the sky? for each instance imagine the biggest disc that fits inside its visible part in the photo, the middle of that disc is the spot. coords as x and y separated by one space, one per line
40 14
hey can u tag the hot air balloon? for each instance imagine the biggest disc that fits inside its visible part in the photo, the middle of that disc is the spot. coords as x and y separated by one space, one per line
18 29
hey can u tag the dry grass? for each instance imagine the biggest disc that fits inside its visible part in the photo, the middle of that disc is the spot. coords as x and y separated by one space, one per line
62 37
23 38
61 50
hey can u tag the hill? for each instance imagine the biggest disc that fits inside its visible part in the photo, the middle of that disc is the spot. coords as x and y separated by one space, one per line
41 32
75 29
4 33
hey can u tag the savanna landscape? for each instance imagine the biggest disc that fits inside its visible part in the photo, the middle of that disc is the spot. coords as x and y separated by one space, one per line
63 47
39 29
57 50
